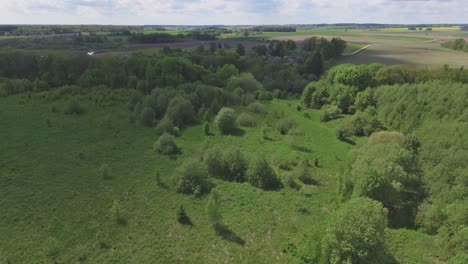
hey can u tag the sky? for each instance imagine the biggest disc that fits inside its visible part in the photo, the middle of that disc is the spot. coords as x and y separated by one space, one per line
230 12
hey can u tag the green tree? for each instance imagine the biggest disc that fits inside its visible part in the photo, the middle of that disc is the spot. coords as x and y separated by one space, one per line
166 145
225 121
193 179
262 175
314 64
227 71
180 111
147 116
240 49
356 233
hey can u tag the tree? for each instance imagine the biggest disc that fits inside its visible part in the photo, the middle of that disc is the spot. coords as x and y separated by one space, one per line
147 116
356 233
182 216
246 120
225 121
227 71
166 145
240 49
206 129
262 175
314 64
193 179
180 111
73 107
387 172
213 210
343 97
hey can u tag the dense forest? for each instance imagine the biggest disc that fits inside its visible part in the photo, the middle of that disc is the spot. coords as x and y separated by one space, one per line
407 126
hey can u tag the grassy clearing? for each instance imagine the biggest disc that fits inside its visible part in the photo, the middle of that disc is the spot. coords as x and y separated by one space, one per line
56 204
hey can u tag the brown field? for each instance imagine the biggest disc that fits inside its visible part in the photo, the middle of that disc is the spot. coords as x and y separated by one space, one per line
402 51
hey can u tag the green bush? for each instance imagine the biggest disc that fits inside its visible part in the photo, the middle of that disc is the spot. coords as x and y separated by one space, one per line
230 165
262 175
166 126
166 145
257 107
225 121
193 179
147 116
73 107
329 113
356 233
246 120
284 125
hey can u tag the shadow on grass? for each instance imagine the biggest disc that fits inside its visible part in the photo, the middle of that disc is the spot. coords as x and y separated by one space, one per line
349 141
225 233
237 132
186 221
301 149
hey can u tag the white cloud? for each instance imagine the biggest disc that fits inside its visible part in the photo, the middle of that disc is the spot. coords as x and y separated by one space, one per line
231 11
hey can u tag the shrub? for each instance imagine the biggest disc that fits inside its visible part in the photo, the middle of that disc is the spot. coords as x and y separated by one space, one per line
166 145
235 165
206 129
147 116
180 111
385 137
257 107
303 174
287 164
166 126
193 179
284 125
329 113
262 175
182 216
246 120
231 165
214 162
356 233
225 120
73 107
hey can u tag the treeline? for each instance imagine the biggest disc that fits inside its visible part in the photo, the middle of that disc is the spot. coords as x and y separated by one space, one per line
171 38
457 44
71 42
418 173
274 29
281 75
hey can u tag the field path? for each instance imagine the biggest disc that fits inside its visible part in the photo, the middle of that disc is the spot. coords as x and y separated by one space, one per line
359 50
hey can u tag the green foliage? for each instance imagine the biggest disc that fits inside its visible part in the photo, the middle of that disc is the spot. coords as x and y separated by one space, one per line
230 165
227 71
225 121
356 233
147 116
387 172
257 107
245 81
73 107
166 145
362 123
246 120
364 100
314 64
193 179
329 113
359 76
240 49
284 125
262 175
206 129
182 216
180 111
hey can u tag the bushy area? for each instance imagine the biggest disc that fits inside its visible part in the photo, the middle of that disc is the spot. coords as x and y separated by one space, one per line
406 130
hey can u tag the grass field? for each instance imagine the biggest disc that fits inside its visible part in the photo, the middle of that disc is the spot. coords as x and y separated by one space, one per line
56 205
404 29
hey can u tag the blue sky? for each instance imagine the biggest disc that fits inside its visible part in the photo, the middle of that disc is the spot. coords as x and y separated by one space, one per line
230 12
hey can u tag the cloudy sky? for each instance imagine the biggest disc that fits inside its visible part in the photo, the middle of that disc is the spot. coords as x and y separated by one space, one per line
231 12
